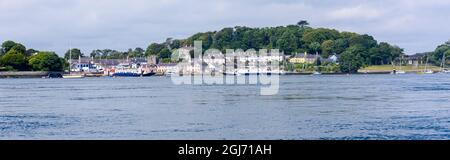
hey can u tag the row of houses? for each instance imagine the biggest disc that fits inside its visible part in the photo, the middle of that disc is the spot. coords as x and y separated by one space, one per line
86 64
310 58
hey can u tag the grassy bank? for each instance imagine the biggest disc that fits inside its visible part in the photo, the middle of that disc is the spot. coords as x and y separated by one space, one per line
389 68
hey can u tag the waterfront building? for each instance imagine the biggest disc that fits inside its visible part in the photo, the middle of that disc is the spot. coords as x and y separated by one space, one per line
303 58
85 64
415 60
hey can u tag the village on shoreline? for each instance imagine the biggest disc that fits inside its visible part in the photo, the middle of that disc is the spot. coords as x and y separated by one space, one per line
304 51
297 64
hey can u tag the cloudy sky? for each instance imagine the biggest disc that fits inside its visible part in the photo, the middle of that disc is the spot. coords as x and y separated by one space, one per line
415 25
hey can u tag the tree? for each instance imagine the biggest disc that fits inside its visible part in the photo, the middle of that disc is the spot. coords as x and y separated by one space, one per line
139 52
165 53
176 44
96 53
303 23
363 40
327 48
15 60
287 42
76 53
340 45
7 45
19 48
46 61
437 55
351 60
320 35
315 47
154 49
380 55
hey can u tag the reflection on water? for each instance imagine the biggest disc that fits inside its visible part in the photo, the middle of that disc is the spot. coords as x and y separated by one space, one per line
307 107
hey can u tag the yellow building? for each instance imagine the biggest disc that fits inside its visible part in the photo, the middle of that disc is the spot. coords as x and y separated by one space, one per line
303 58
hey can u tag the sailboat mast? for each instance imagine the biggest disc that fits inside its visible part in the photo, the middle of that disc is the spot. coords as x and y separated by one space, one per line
70 59
443 62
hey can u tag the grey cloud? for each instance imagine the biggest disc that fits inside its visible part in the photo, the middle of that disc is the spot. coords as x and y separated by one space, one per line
416 25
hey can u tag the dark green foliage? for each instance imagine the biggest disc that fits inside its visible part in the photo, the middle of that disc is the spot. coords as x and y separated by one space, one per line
351 60
19 48
154 49
46 61
7 45
14 60
438 54
292 39
76 53
110 54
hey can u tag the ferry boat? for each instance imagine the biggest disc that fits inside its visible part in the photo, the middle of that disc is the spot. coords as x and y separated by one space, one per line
133 70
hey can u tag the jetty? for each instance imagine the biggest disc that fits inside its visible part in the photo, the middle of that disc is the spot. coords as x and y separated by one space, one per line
31 74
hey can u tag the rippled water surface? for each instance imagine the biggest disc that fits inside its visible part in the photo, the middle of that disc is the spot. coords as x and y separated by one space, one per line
307 107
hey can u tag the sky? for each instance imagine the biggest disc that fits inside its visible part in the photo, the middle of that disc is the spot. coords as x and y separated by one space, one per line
56 25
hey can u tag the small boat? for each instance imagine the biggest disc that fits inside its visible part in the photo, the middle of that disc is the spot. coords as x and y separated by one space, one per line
398 72
427 71
445 71
317 73
395 71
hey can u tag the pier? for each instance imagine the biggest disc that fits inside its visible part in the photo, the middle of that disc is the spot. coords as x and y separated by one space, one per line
31 74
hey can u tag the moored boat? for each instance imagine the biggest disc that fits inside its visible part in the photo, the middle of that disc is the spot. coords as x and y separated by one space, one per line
133 70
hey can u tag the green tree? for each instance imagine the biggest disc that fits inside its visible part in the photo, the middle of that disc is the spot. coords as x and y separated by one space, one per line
320 35
154 49
76 53
340 45
14 60
351 60
46 61
139 52
7 45
303 23
165 53
327 48
176 44
365 41
438 53
315 47
288 42
19 48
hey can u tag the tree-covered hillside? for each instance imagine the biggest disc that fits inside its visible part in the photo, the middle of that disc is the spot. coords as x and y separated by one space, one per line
356 50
